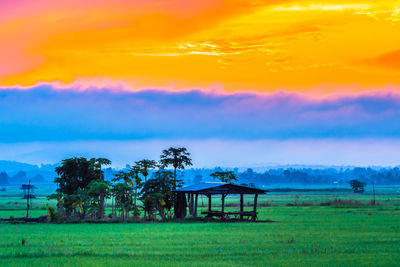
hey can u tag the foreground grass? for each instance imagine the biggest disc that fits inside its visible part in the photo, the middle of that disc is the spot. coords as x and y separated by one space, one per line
312 236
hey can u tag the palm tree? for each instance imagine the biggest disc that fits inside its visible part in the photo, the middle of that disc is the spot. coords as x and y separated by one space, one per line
135 170
144 166
177 157
96 164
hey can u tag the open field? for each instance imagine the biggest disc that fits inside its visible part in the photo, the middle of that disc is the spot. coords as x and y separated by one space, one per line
316 235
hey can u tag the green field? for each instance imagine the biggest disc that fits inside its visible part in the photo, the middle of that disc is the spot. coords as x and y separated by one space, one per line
362 235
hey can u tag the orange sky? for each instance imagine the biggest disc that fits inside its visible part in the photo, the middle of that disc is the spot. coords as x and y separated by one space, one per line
315 47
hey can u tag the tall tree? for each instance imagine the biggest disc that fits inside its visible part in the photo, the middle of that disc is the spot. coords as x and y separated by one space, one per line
96 164
145 165
135 170
177 158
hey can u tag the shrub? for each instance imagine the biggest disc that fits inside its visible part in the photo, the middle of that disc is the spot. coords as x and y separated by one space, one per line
342 202
52 215
300 204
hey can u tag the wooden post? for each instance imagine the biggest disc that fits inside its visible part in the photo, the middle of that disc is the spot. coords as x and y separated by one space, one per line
209 202
373 189
195 206
191 203
27 199
241 206
223 202
255 207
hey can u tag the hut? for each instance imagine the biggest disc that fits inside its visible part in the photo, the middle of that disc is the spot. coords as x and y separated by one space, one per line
214 188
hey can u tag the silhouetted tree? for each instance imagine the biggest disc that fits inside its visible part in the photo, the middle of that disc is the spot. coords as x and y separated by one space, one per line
178 158
145 165
225 177
357 186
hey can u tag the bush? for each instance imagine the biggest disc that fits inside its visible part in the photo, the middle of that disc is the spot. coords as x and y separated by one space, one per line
266 204
342 203
300 204
52 215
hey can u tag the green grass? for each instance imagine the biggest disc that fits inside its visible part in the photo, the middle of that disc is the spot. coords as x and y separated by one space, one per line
300 236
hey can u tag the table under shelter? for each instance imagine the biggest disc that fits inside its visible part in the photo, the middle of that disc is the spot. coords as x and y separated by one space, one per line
214 188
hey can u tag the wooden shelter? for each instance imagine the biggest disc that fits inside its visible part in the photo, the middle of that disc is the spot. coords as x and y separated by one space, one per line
209 189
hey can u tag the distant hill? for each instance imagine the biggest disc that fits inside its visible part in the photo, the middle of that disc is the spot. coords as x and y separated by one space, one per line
14 167
19 178
4 178
12 172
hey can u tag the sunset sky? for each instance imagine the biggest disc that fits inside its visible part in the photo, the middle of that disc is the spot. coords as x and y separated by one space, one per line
249 82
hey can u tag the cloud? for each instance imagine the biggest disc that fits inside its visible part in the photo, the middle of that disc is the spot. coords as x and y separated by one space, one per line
387 60
44 114
323 7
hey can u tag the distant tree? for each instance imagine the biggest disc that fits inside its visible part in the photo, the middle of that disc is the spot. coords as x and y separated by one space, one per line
197 179
145 165
225 177
178 158
357 186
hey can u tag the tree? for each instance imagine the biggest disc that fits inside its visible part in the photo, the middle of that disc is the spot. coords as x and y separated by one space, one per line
144 166
157 193
177 157
96 164
133 181
75 175
134 171
225 177
123 198
197 179
357 186
97 191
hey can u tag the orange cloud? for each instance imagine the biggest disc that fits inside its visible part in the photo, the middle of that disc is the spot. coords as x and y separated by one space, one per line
236 45
389 60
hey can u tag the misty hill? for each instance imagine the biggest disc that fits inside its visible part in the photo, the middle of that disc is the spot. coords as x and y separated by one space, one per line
4 178
16 172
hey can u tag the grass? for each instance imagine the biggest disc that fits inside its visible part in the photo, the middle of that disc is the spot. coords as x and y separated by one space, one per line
350 235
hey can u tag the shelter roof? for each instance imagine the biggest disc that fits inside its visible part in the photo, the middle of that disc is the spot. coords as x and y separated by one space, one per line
220 188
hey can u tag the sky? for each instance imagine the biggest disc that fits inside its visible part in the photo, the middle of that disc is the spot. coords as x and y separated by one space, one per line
240 83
